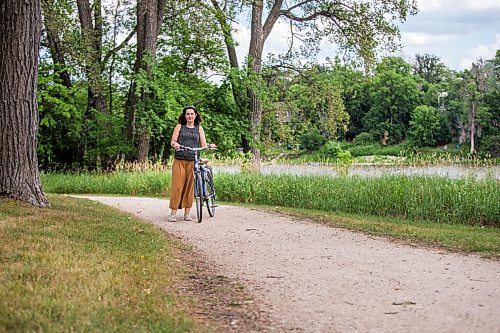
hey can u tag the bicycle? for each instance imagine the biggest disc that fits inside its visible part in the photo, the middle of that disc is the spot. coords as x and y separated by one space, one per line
204 189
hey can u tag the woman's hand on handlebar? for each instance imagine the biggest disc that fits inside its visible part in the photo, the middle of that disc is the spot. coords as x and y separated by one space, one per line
212 146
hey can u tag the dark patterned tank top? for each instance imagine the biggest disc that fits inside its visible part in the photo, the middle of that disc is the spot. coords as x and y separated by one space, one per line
189 137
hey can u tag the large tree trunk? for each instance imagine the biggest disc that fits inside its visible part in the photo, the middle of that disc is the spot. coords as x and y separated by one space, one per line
238 93
54 41
92 35
20 26
259 33
149 20
255 63
225 26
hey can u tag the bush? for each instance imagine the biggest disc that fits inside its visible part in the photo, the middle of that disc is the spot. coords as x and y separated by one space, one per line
363 138
426 126
334 149
312 139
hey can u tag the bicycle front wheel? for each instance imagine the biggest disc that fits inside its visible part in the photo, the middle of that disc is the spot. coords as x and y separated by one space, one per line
210 193
198 196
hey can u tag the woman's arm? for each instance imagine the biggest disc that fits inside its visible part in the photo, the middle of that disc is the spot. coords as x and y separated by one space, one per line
203 141
175 137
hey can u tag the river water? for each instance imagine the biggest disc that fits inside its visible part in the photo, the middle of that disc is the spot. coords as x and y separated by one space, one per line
450 171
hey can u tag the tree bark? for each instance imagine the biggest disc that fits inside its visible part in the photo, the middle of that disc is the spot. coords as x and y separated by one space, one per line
150 15
238 93
92 35
54 41
20 27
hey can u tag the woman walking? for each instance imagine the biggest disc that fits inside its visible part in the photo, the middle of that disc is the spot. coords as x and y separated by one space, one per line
189 133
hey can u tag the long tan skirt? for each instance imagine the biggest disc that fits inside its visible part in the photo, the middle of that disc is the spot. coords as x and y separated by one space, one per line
181 194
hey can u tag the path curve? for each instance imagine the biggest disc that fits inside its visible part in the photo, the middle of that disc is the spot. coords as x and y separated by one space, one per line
313 278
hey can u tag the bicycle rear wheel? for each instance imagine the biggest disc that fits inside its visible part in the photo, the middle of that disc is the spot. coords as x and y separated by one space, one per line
198 196
210 193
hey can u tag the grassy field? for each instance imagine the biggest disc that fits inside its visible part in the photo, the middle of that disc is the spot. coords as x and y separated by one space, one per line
461 215
431 199
83 267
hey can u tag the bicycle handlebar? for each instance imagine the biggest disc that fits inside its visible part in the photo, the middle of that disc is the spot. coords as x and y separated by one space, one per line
195 149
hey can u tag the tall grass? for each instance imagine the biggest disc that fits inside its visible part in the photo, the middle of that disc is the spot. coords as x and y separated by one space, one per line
463 201
151 183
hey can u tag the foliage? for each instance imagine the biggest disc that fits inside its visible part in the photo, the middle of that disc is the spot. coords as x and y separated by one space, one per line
342 158
375 149
61 112
312 139
353 85
429 67
394 95
223 123
338 98
334 149
425 126
363 138
488 119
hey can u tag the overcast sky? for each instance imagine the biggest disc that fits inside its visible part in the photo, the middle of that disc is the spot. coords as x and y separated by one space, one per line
457 31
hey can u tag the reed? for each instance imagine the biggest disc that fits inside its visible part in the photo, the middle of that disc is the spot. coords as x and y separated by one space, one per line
466 201
151 183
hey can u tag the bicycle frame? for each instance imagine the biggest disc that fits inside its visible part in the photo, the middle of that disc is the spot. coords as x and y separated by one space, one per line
204 191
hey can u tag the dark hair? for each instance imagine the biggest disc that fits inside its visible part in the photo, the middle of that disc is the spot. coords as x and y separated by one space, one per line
182 118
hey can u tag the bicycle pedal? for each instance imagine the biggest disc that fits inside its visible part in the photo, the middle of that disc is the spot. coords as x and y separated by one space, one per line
213 206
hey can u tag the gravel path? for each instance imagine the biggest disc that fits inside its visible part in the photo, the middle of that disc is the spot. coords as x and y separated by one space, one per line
313 278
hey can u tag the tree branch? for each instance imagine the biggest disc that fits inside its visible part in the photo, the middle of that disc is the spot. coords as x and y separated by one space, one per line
273 16
121 46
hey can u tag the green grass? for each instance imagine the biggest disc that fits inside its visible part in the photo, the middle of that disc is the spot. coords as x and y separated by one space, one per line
81 266
440 200
456 201
151 183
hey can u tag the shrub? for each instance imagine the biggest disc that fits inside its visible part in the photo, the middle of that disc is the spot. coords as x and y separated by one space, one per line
363 138
312 139
425 126
334 149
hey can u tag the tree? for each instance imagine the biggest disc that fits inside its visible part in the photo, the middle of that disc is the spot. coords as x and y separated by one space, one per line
54 23
354 85
20 26
429 67
359 28
474 91
394 95
318 98
149 20
489 122
425 126
92 40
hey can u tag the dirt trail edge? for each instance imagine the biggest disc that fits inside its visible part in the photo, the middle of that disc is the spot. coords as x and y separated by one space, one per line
313 278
